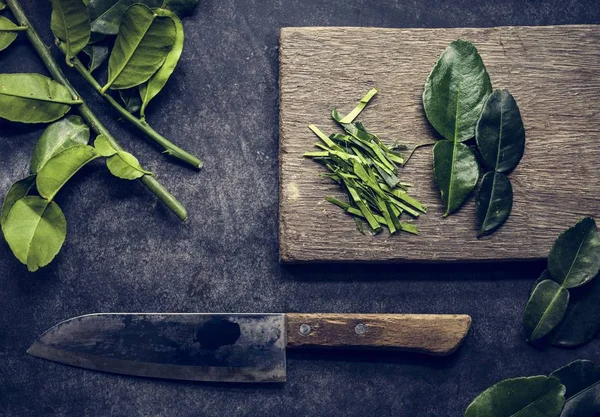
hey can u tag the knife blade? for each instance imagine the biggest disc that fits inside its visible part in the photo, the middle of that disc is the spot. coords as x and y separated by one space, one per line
234 347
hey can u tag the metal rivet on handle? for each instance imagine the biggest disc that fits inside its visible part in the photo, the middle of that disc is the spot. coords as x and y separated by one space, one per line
305 329
360 328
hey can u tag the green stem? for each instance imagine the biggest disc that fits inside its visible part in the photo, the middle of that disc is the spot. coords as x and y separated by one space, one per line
169 148
420 145
153 185
15 29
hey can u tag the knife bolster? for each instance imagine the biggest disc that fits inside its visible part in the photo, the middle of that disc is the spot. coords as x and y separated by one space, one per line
437 335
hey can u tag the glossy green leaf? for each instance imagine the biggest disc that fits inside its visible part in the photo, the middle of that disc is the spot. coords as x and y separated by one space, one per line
2 5
66 133
132 99
577 376
494 202
456 90
582 381
35 231
156 83
543 276
456 173
61 167
575 255
545 309
103 147
141 47
126 166
6 36
98 53
70 22
33 98
536 396
500 133
581 323
106 15
16 192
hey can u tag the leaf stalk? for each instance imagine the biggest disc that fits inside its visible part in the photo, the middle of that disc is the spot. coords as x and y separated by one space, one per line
15 29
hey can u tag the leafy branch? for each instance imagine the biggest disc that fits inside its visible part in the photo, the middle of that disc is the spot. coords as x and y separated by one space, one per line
33 224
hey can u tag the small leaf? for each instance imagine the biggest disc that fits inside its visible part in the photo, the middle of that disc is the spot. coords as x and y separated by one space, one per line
98 53
500 133
61 167
70 22
536 396
16 192
132 99
6 37
581 323
141 47
103 147
33 98
57 137
456 90
582 381
159 79
575 255
35 230
456 173
577 376
494 202
126 166
544 276
2 5
545 309
183 8
106 15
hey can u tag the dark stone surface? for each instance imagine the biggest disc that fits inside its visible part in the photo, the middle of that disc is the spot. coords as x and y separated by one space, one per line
126 253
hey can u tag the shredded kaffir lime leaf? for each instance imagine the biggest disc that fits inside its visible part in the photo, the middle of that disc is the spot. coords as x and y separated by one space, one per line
367 170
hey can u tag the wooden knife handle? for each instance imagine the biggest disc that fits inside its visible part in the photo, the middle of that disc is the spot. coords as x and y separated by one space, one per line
432 334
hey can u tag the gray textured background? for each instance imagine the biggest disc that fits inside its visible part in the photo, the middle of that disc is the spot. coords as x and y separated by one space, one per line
124 252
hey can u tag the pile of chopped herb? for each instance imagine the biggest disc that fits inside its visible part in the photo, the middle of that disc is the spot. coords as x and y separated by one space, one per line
367 170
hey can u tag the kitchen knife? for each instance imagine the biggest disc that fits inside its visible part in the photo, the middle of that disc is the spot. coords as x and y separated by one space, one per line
234 347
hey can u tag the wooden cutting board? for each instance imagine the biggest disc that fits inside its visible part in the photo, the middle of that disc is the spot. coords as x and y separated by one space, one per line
554 74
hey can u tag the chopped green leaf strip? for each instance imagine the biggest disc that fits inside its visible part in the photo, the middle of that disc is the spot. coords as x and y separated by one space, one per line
359 108
368 170
323 137
409 228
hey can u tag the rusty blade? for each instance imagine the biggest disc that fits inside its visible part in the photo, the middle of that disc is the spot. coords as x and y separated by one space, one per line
193 347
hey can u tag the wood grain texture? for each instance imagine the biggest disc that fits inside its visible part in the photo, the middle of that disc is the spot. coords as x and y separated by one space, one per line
424 333
553 72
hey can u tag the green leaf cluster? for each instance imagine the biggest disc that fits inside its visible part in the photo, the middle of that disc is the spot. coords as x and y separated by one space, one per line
367 170
551 311
460 105
147 48
32 223
571 391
